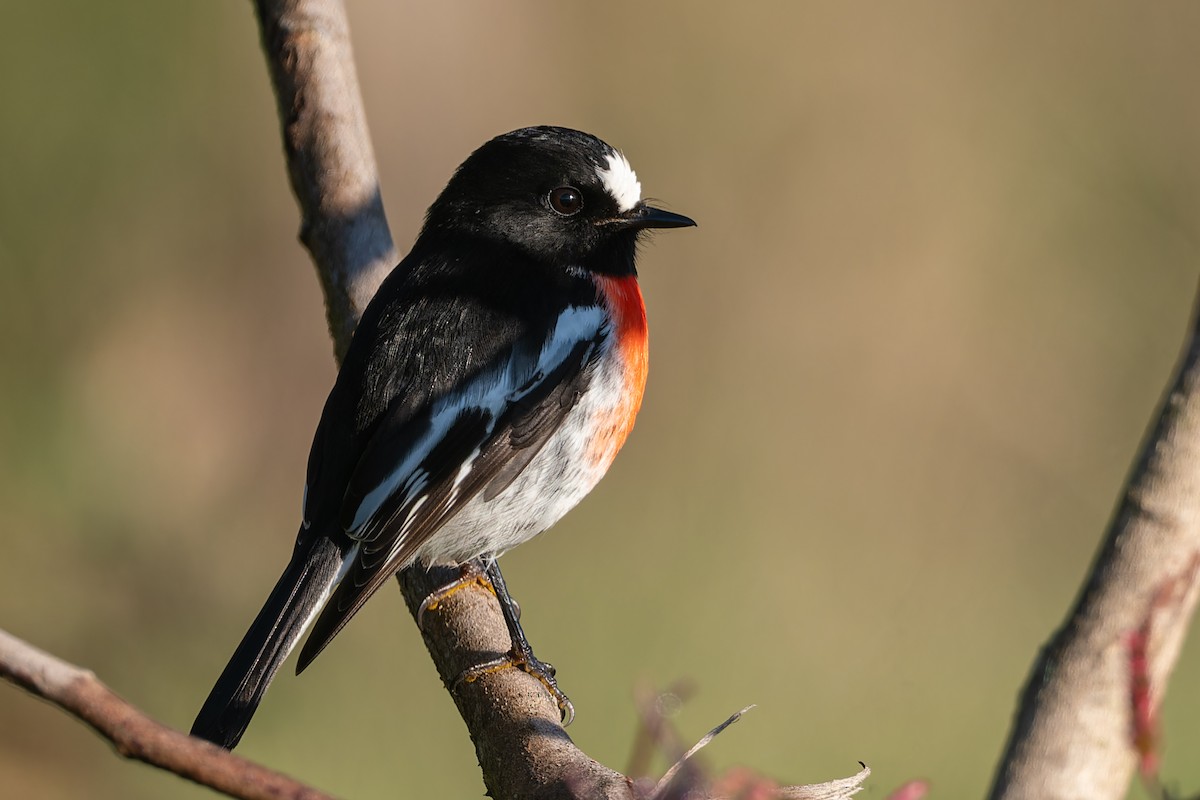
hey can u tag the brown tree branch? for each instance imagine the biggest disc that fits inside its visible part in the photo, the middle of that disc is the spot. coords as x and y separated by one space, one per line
331 164
134 735
1073 736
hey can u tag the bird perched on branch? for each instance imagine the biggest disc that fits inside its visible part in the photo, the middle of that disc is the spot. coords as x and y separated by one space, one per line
487 388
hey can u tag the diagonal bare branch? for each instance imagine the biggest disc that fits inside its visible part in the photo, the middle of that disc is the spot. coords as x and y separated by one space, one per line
1073 736
134 735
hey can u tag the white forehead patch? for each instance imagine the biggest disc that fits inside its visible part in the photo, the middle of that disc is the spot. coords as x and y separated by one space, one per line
621 181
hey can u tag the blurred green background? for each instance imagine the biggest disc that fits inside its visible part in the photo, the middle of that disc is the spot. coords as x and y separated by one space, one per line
945 261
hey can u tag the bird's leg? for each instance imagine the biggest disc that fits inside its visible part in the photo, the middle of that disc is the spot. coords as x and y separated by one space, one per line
471 573
521 655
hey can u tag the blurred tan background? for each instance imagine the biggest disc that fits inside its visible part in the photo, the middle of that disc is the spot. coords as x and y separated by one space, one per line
945 260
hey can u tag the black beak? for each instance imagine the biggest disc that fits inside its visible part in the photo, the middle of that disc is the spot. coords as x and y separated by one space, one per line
643 216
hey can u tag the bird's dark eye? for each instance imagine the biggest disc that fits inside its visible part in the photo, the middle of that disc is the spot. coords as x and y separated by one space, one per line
566 200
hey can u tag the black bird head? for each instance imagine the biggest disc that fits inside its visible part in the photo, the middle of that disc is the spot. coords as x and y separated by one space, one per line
561 196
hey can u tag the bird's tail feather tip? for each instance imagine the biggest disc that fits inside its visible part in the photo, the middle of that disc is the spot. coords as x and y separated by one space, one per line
289 609
223 725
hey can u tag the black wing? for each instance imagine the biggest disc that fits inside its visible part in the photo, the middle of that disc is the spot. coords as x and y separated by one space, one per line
415 476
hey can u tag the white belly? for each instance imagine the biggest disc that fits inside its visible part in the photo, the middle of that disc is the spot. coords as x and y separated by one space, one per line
557 478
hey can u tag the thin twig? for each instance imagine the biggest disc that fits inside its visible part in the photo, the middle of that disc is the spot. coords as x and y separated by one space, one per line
839 789
134 735
664 783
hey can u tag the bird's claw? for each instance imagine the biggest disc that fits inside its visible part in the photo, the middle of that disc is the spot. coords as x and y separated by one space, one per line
542 670
470 575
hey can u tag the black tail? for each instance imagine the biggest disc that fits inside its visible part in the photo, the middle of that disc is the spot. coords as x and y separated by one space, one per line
265 647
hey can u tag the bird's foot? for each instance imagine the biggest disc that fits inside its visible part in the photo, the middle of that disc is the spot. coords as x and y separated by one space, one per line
524 659
470 574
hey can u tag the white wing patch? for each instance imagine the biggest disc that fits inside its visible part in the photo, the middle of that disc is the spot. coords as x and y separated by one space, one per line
621 181
490 392
463 472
